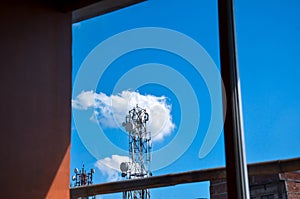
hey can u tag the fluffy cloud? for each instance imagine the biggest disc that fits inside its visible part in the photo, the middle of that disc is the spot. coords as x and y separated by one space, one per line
110 111
84 100
110 167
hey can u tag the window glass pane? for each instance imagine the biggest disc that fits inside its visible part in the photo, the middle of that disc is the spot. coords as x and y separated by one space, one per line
194 190
268 45
163 56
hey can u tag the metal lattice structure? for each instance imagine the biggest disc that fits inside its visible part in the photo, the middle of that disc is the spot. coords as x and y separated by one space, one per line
139 151
83 178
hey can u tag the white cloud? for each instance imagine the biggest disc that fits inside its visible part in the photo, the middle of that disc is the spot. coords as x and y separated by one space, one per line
110 111
110 167
84 100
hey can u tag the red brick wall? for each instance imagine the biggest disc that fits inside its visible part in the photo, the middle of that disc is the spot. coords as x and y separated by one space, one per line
292 183
280 186
218 189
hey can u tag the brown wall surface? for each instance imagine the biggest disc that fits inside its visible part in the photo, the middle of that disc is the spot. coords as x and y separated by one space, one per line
35 86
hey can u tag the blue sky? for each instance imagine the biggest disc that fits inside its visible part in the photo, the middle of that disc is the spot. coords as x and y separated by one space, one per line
268 45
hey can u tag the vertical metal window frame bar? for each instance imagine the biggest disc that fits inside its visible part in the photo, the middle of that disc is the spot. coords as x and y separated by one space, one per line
236 168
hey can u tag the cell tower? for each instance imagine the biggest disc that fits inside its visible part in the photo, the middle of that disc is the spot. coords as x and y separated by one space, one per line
139 151
83 178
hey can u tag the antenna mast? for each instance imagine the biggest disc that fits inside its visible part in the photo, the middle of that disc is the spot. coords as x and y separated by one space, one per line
139 151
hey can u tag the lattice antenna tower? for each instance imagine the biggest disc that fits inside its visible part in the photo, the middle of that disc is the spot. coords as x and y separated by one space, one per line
139 151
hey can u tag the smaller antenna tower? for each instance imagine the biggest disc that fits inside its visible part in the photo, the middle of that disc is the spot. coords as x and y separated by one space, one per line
139 151
83 178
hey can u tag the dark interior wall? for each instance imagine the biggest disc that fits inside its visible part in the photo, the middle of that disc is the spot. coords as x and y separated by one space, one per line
35 86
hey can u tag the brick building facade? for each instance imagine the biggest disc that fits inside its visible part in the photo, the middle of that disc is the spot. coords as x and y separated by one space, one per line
274 186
